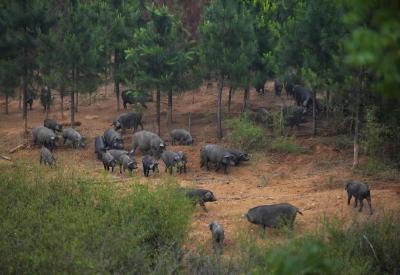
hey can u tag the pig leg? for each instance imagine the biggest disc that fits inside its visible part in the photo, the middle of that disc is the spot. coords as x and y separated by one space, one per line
201 202
356 202
361 205
348 198
262 230
369 204
225 169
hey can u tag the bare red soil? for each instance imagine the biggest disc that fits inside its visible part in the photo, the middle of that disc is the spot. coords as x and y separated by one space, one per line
314 182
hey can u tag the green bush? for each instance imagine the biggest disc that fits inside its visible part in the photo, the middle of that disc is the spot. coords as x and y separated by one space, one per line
60 223
379 169
286 146
371 247
380 140
363 248
299 256
278 123
246 135
373 135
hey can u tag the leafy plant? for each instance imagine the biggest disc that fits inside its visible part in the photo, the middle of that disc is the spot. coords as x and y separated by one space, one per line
285 145
61 223
246 135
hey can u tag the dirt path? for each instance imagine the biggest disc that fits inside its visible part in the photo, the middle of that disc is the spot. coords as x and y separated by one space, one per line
314 182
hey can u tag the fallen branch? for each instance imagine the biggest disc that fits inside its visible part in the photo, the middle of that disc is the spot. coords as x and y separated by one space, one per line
19 147
6 158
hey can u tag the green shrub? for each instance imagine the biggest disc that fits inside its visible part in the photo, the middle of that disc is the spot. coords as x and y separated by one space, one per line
371 247
60 223
379 169
373 135
363 248
278 123
380 140
299 256
246 135
286 146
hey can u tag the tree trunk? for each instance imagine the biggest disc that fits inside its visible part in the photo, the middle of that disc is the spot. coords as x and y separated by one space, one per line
48 109
25 90
328 95
116 87
6 104
116 81
169 115
230 99
20 98
356 131
190 122
105 82
219 113
25 81
158 111
77 101
245 99
62 102
73 98
314 114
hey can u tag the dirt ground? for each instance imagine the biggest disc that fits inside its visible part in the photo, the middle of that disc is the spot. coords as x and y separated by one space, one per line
314 182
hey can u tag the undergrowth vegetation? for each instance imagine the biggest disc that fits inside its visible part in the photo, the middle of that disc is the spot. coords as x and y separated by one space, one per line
286 145
378 169
371 247
60 223
248 136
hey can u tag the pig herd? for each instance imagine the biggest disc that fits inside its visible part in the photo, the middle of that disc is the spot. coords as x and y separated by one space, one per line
109 149
292 115
48 137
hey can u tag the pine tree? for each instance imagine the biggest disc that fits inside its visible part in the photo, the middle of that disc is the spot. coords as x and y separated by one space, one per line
72 56
8 80
120 18
229 47
24 23
155 59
